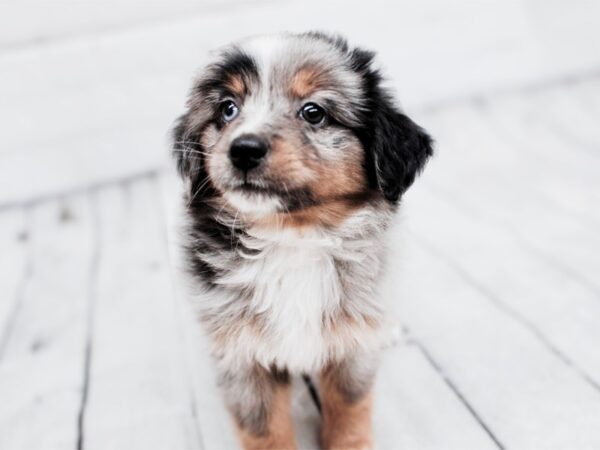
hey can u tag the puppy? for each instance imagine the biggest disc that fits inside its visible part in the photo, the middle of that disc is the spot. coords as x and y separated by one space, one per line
294 159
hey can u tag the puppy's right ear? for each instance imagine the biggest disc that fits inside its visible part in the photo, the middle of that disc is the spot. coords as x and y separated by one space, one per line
183 140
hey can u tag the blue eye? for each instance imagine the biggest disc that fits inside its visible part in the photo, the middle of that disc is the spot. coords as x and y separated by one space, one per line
229 111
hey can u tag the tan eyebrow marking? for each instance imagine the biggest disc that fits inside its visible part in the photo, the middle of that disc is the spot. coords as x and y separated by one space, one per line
306 81
237 85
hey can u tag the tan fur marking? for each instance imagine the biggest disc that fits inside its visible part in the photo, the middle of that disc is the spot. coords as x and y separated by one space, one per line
338 178
346 425
306 81
287 161
280 434
330 214
336 186
236 85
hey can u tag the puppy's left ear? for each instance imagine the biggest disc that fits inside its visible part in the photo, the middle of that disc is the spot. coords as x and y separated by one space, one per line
400 150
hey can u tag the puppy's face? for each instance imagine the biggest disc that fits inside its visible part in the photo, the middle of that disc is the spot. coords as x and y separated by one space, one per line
292 123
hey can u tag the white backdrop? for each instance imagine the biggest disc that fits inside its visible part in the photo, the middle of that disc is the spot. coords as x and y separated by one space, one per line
89 89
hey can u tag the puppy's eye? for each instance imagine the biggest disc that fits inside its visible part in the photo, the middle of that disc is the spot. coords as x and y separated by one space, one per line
312 113
229 111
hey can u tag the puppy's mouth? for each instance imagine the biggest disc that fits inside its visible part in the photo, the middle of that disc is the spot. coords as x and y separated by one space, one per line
253 198
251 187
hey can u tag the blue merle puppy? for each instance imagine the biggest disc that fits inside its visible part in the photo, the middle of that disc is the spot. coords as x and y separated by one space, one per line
294 159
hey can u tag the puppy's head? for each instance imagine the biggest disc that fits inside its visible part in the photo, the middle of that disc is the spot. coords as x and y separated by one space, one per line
295 123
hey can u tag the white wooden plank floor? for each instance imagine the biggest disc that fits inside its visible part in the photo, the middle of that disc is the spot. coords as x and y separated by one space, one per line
496 257
495 284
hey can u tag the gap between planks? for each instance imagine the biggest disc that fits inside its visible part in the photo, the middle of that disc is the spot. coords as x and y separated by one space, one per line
505 308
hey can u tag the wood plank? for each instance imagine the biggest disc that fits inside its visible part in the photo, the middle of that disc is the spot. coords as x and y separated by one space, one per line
216 427
416 406
41 374
518 151
211 416
571 119
544 141
305 415
138 392
415 409
518 284
525 394
15 267
588 96
102 104
38 22
535 187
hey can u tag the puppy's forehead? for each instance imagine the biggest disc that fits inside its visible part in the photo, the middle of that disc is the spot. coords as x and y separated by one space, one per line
300 66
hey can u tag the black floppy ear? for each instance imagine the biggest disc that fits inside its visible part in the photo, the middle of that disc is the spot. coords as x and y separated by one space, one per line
400 150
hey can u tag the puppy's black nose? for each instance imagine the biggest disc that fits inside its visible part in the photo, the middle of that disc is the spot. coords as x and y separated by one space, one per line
247 151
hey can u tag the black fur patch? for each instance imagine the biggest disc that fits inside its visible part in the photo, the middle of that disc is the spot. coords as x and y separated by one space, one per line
234 62
208 236
396 148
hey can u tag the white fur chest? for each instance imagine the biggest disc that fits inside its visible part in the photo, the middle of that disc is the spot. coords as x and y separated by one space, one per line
295 285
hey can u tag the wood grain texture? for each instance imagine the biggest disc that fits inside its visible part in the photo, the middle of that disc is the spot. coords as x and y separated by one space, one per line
511 381
15 268
42 368
415 408
138 396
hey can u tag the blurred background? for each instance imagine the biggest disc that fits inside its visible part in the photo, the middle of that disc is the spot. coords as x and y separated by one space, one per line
496 276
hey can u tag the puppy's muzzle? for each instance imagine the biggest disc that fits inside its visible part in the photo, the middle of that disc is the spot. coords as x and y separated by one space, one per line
248 152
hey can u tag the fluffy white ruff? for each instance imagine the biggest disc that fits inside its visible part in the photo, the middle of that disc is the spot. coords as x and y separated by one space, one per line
296 285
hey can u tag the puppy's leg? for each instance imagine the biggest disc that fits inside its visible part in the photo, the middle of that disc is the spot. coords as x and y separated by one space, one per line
260 403
347 403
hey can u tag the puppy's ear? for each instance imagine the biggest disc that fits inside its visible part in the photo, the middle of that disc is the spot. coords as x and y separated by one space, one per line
190 160
400 150
183 145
